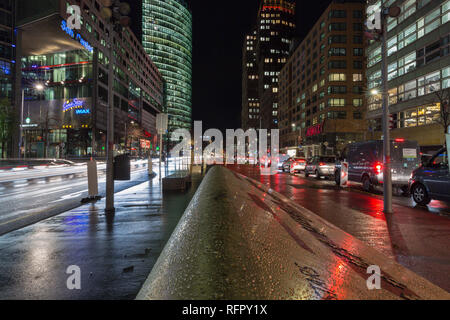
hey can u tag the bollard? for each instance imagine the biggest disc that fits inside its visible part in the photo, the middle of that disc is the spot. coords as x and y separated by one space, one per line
150 166
92 182
92 178
344 174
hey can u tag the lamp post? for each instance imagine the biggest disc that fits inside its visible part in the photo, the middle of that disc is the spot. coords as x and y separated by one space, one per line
381 17
114 12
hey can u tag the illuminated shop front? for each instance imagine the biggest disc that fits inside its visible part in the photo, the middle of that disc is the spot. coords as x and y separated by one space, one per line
65 82
59 116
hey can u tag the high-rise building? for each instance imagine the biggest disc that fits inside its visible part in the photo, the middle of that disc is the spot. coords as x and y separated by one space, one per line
167 38
275 29
64 76
322 84
418 59
250 98
6 65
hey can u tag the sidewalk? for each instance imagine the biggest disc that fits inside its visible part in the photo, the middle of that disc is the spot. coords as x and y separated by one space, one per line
115 254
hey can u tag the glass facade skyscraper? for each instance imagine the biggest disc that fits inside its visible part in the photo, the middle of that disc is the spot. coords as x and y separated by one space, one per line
167 38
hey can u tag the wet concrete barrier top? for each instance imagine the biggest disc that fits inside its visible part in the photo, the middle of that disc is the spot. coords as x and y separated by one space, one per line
240 240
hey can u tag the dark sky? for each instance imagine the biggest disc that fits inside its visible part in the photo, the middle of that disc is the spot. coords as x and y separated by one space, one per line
219 29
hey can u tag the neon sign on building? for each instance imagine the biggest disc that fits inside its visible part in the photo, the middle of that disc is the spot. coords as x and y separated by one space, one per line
75 104
76 36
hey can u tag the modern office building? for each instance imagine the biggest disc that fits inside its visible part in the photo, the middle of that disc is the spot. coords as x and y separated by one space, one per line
7 49
167 38
275 29
322 85
250 97
64 75
418 50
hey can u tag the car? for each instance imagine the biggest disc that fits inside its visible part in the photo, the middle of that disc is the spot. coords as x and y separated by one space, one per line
281 160
431 181
287 165
321 166
365 163
297 165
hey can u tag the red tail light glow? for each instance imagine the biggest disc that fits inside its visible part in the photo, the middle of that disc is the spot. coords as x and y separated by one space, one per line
399 140
378 168
322 164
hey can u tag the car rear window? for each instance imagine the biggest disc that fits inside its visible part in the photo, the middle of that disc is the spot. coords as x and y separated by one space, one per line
328 159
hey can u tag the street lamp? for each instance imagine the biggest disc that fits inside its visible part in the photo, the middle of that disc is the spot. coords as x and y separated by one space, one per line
116 13
381 16
38 87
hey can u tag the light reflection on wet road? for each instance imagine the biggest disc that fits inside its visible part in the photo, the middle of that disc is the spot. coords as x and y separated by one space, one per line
23 202
417 238
115 252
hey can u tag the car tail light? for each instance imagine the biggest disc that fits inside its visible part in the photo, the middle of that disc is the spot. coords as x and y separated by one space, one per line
378 168
322 164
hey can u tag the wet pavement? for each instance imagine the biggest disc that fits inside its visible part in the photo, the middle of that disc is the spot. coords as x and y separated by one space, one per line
115 253
417 238
238 239
30 196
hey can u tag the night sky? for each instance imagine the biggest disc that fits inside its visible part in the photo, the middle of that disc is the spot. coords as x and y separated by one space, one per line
219 31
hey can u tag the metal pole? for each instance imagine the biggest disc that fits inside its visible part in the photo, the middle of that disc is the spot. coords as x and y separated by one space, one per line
160 153
387 174
110 134
21 126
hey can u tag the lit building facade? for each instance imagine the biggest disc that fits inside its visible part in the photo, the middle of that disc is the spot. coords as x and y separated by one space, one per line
250 98
276 30
418 49
266 50
322 85
68 118
7 51
167 38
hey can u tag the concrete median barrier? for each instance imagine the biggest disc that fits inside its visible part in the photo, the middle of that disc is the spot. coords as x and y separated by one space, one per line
240 240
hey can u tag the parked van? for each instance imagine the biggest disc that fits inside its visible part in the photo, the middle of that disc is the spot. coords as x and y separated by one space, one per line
365 161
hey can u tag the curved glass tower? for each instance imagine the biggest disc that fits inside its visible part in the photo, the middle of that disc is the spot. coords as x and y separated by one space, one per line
167 38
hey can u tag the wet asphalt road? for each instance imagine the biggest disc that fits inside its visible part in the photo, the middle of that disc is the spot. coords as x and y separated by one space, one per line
114 252
32 195
416 237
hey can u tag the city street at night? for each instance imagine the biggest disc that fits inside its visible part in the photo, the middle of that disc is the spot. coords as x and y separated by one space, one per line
199 161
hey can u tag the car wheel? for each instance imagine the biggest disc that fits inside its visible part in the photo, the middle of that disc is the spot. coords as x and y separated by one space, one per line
367 185
317 175
337 178
420 194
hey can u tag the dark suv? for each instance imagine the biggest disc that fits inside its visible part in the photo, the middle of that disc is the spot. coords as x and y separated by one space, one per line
432 180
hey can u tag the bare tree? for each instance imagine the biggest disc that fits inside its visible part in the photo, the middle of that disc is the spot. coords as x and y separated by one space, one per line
443 98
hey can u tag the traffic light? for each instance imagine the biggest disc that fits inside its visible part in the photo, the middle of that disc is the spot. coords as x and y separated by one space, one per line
392 121
157 149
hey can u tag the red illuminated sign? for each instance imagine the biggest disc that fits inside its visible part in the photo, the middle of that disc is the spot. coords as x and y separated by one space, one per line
313 131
